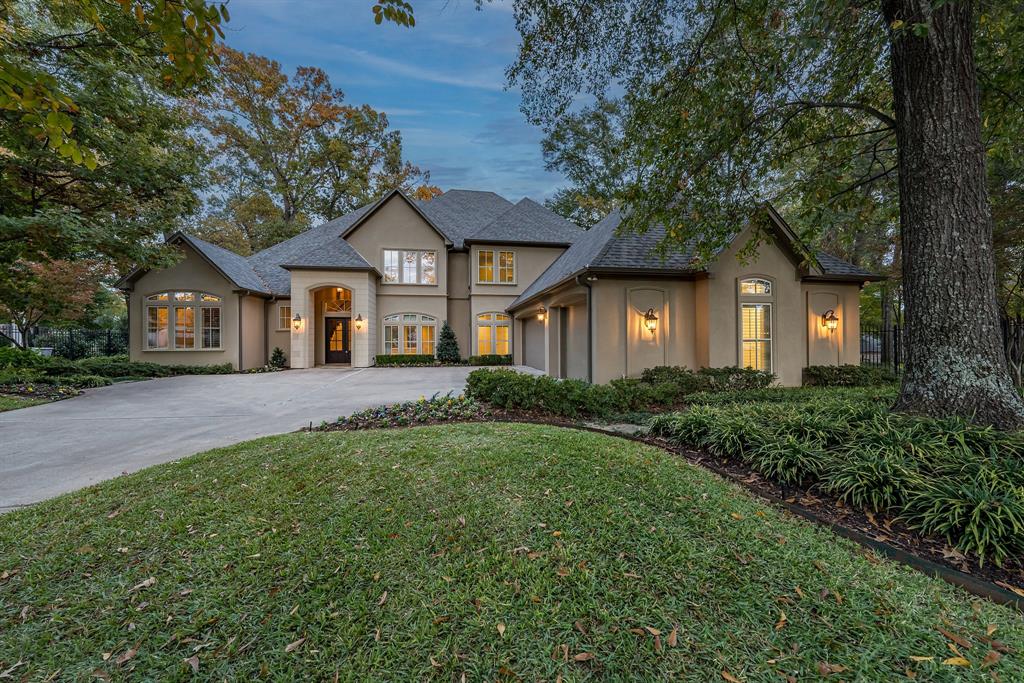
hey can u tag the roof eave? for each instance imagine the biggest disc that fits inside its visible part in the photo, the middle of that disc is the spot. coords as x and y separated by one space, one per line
516 243
868 277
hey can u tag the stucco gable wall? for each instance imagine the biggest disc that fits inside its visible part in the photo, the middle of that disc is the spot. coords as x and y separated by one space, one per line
192 273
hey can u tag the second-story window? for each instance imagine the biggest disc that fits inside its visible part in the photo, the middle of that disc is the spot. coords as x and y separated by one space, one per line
410 266
496 267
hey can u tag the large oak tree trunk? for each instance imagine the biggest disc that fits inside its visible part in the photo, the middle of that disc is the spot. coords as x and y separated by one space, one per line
954 361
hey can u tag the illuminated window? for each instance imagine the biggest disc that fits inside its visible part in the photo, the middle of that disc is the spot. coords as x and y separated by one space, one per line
493 334
284 317
410 267
756 323
485 266
177 329
756 286
501 270
410 333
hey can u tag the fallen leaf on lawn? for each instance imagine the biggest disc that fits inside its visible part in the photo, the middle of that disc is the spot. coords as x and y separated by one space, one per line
563 571
106 655
583 656
729 677
126 656
736 515
826 669
501 630
657 643
85 550
193 662
781 623
561 652
959 640
915 658
579 626
441 619
990 629
991 659
1016 589
653 631
145 584
673 638
383 598
113 514
100 673
294 645
956 661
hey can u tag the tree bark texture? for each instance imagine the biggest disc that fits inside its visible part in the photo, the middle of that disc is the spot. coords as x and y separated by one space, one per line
955 364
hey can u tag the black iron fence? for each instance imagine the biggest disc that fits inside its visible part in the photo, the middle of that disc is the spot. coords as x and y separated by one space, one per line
884 347
70 342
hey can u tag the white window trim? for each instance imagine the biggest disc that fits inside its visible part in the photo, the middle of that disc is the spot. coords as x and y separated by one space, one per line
494 325
401 324
496 268
287 328
419 267
761 300
197 305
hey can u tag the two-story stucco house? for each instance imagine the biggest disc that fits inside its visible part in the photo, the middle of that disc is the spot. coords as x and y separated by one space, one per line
510 279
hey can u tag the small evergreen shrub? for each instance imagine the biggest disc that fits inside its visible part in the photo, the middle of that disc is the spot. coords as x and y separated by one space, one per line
490 359
400 359
847 376
277 358
708 379
448 345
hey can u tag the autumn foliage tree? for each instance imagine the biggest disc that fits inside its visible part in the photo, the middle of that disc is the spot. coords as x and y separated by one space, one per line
49 291
291 149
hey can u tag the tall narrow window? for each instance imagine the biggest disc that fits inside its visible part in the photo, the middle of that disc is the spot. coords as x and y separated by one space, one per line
391 339
284 317
485 269
493 332
156 327
427 339
428 268
409 259
391 265
184 327
211 327
506 267
756 321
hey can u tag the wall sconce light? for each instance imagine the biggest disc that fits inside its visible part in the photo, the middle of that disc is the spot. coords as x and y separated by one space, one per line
829 320
297 322
542 314
650 321
359 321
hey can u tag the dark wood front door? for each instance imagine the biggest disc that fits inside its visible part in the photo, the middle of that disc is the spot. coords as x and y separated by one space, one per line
337 344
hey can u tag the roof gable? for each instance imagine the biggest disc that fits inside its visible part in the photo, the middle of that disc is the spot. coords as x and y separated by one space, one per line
376 206
527 222
232 267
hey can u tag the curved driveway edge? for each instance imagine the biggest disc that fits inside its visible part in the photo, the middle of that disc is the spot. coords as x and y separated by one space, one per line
58 447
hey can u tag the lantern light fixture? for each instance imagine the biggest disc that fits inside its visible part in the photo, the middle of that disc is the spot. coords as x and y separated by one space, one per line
829 320
359 321
650 321
542 314
297 322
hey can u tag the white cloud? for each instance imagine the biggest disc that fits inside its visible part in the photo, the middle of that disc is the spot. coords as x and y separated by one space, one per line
419 73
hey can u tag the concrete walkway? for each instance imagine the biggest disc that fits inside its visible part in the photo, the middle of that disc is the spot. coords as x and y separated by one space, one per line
50 449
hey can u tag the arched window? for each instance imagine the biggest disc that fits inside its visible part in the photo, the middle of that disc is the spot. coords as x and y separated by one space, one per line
493 334
756 321
410 333
183 321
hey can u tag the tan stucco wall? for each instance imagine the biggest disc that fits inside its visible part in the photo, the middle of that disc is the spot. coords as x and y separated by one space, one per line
576 342
275 337
533 343
305 283
254 353
530 262
195 274
436 306
459 316
841 347
396 225
623 347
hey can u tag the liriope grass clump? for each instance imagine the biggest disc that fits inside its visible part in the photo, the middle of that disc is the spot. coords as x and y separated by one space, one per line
945 478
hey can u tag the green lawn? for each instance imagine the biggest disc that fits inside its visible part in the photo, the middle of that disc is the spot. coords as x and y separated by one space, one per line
15 402
500 551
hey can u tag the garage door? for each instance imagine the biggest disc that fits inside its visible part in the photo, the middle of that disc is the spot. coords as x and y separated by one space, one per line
533 343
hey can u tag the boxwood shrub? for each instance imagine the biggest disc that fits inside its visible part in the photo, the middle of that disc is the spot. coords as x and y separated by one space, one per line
847 376
490 359
57 370
395 359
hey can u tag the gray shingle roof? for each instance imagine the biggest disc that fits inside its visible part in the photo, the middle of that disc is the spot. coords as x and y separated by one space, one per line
460 213
528 222
331 253
600 247
236 268
268 262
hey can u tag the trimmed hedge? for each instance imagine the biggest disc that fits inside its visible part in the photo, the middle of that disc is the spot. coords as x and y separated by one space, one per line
847 376
945 478
406 359
709 379
490 359
27 367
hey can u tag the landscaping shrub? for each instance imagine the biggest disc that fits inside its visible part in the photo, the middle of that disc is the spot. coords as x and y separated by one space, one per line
490 359
72 347
277 358
103 366
397 359
433 410
946 478
448 345
708 379
847 376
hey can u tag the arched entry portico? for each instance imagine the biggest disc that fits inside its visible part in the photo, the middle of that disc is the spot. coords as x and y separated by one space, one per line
336 312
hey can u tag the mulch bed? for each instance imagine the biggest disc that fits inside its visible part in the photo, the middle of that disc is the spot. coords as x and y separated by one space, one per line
878 533
49 392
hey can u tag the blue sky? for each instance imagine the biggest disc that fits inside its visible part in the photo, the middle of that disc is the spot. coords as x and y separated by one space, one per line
441 83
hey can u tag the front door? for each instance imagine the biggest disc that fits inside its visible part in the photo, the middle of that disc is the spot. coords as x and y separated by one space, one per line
337 348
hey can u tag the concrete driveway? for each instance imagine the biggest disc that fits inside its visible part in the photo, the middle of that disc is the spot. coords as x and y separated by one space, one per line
58 447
